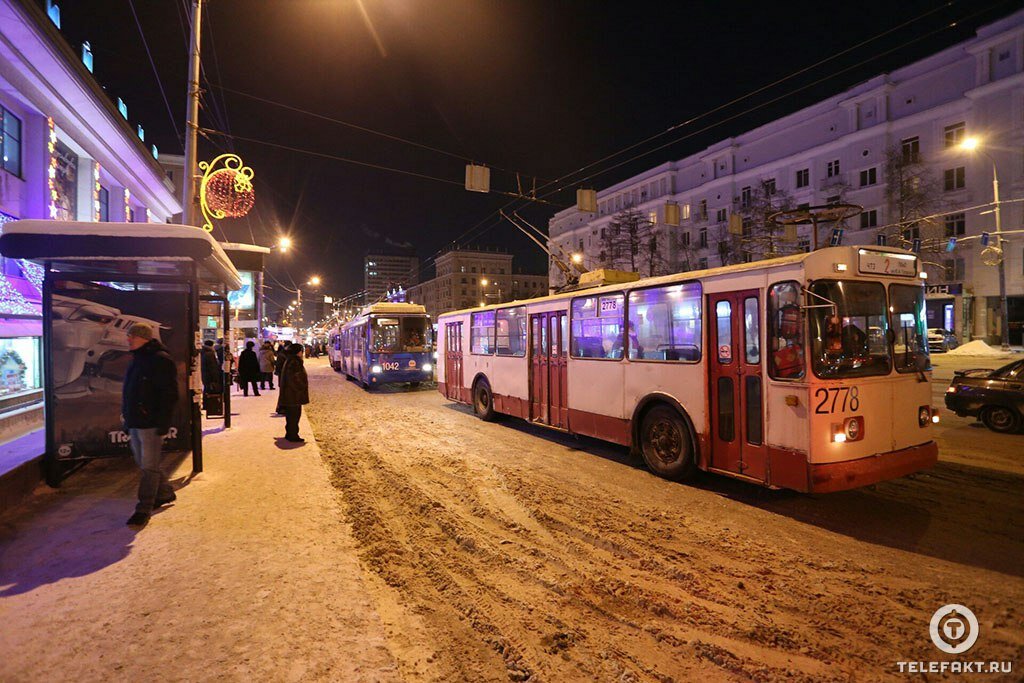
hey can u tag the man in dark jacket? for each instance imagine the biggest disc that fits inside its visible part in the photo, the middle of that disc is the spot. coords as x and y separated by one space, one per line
282 356
294 392
249 370
149 396
213 376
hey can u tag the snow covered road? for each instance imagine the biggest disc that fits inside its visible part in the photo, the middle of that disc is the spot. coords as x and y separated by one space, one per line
502 551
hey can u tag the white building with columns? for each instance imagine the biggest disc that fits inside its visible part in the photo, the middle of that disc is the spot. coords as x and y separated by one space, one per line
975 88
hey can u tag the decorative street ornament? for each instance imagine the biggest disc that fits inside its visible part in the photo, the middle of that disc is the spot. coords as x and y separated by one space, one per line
225 192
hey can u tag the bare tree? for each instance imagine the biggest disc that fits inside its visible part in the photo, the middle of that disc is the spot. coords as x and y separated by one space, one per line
912 194
762 237
631 242
728 246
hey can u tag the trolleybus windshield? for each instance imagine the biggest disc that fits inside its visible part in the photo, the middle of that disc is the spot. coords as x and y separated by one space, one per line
398 335
910 345
851 338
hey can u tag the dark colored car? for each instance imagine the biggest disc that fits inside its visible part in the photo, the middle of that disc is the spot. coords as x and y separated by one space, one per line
940 340
995 396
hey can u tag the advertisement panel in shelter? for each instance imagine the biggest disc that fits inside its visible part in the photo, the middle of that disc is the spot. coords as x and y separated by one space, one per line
90 355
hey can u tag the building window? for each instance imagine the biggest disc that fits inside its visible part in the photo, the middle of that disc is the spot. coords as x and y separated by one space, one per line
834 199
104 200
702 263
703 212
804 245
954 179
911 150
956 225
686 212
685 238
702 240
803 177
953 270
869 219
769 187
722 216
954 135
868 176
10 142
745 197
833 168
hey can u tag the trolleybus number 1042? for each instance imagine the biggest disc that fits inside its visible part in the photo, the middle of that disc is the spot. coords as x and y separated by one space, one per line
390 365
826 407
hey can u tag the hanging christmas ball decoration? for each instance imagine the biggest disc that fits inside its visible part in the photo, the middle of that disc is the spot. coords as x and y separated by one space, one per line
230 192
225 192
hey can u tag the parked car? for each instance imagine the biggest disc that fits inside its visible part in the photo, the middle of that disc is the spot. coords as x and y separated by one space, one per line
941 340
995 396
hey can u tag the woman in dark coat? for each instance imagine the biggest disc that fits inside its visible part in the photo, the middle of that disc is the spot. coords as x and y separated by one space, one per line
282 356
294 392
249 370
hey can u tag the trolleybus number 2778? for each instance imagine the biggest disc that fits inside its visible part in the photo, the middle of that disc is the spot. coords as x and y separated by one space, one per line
824 407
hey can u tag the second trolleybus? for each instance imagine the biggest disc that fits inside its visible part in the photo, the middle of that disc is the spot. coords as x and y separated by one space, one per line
808 372
386 343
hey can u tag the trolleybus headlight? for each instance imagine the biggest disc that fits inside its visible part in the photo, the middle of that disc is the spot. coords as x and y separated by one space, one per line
376 369
839 437
435 355
935 417
427 367
924 415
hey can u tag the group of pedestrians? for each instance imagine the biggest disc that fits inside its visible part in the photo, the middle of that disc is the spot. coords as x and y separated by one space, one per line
150 395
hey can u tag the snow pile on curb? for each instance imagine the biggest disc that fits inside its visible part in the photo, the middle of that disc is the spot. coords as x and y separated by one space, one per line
974 348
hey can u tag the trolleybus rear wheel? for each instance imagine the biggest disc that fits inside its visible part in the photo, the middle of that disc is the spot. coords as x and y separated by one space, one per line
666 445
483 404
414 385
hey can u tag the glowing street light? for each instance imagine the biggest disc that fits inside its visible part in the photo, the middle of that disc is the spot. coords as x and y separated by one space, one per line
315 280
970 144
484 282
284 243
577 258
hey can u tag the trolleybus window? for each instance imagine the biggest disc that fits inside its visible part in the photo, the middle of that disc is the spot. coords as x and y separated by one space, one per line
385 336
481 333
906 310
597 323
723 317
752 330
785 331
511 331
849 339
664 323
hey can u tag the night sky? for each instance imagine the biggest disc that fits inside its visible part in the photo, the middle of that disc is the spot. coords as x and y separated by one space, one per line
539 87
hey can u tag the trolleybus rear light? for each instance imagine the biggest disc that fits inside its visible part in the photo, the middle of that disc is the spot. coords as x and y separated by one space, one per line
924 415
839 437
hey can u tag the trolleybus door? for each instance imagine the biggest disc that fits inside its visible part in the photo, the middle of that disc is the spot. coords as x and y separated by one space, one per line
736 384
453 361
548 370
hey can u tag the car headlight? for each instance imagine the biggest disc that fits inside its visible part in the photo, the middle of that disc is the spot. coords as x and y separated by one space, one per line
376 369
427 367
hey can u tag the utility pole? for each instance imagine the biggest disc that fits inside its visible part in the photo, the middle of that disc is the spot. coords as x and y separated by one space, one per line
188 190
1004 311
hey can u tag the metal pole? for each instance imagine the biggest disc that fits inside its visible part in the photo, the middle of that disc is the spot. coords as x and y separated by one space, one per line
814 224
188 188
1004 310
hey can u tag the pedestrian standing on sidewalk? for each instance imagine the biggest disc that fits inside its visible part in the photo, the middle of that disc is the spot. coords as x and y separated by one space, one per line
267 361
249 369
149 395
213 376
282 357
294 392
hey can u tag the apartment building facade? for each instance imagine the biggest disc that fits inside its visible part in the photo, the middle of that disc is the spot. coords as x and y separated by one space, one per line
837 151
68 152
467 277
386 269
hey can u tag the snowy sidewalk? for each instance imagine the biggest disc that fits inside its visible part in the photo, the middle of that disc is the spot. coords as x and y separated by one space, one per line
250 575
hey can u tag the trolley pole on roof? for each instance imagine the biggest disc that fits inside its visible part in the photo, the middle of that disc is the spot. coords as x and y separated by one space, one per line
188 188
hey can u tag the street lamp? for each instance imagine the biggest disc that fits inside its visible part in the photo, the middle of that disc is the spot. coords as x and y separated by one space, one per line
314 281
284 243
973 144
577 258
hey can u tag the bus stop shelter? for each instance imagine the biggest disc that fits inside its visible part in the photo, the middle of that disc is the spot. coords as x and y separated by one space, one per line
99 280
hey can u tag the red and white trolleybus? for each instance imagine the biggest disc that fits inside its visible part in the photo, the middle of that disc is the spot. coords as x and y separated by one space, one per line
807 372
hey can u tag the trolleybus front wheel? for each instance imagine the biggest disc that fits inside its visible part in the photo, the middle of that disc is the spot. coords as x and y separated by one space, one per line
483 404
666 445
